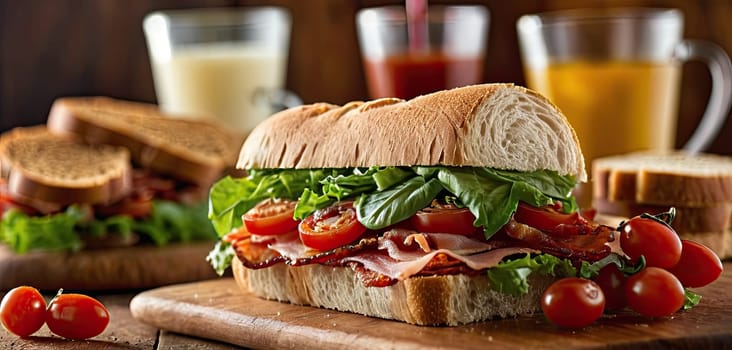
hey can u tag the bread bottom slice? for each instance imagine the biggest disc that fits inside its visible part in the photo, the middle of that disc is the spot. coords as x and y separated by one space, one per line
430 300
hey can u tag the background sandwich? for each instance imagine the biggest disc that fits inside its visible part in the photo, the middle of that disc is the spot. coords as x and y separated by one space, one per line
399 209
89 198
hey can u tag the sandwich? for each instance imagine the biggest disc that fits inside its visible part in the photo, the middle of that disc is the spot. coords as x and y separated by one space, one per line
109 194
450 208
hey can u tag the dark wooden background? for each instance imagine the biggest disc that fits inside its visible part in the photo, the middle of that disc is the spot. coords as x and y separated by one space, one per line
53 48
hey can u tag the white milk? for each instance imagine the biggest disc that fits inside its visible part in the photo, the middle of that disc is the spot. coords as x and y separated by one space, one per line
219 80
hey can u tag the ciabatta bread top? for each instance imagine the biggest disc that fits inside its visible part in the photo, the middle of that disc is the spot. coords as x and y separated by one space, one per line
491 125
664 178
41 166
194 150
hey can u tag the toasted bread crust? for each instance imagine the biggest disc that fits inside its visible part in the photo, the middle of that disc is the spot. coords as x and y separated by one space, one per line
664 179
193 150
428 300
714 218
491 125
41 167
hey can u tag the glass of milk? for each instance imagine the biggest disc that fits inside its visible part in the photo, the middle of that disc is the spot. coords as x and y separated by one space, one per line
228 63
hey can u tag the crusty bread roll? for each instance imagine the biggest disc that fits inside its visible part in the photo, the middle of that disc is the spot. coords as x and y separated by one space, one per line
429 300
492 125
42 167
193 150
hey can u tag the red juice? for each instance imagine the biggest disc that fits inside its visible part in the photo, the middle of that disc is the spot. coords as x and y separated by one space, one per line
408 75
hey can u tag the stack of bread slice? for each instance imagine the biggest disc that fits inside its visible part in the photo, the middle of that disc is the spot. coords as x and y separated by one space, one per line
698 186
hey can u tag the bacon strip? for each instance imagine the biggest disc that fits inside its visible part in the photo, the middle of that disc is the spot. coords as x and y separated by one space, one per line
589 244
399 254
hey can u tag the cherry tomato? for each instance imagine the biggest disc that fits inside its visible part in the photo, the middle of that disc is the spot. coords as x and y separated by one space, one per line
573 302
331 227
612 282
444 219
271 217
698 265
7 202
658 243
23 311
654 292
76 316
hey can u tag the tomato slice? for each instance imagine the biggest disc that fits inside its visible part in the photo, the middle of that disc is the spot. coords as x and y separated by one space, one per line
545 219
271 217
331 227
446 218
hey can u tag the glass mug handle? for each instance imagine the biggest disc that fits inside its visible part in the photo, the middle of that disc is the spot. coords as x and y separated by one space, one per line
720 99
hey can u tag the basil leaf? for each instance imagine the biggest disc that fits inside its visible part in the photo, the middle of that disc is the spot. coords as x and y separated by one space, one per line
487 199
385 208
492 196
547 182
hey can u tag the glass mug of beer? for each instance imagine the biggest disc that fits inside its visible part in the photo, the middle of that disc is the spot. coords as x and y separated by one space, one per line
616 73
228 63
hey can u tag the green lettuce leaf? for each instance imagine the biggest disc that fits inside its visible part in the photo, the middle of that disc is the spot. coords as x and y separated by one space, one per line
169 222
493 196
338 185
230 198
511 276
174 222
381 209
220 257
691 299
23 233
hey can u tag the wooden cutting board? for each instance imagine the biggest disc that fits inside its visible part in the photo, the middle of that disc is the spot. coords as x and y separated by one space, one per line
124 268
217 309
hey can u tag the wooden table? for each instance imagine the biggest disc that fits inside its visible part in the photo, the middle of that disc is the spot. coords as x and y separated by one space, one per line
124 332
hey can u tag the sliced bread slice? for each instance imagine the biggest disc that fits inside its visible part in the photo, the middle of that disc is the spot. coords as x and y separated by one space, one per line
714 218
424 300
43 167
192 150
672 178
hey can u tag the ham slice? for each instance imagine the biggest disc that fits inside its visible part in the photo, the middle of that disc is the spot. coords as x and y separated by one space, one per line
387 265
401 253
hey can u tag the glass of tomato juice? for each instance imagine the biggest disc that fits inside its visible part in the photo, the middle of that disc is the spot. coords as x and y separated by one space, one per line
406 57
